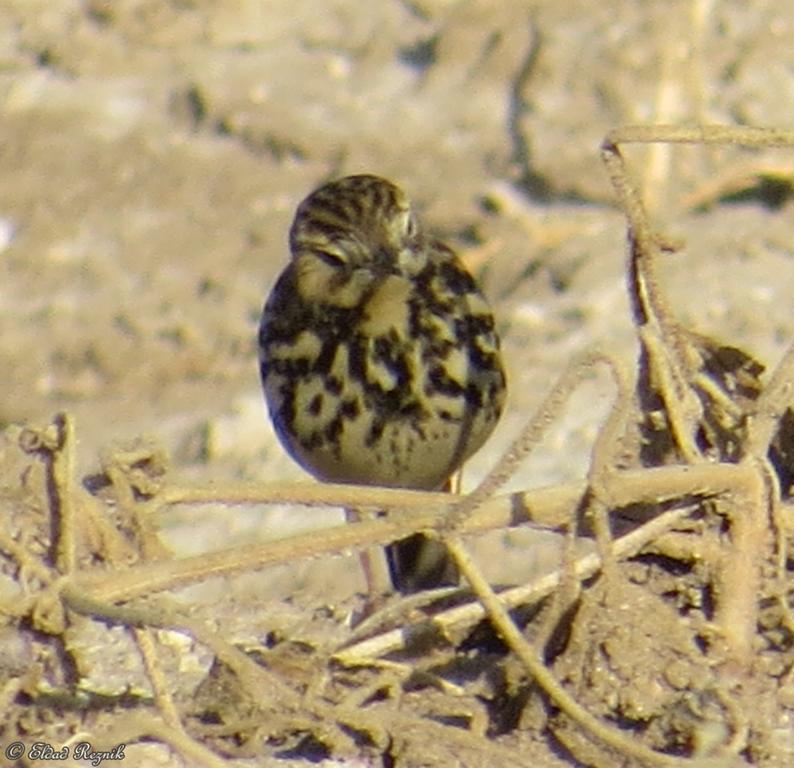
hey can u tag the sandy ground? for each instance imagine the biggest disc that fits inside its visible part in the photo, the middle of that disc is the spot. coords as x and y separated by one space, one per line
152 154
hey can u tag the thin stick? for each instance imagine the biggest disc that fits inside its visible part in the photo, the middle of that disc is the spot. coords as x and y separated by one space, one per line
608 735
533 433
154 671
449 623
63 473
552 504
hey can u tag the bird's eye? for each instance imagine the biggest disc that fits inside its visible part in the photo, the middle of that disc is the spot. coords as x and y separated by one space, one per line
332 259
411 227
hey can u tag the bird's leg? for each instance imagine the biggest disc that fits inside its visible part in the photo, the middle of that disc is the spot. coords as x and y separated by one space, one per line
373 568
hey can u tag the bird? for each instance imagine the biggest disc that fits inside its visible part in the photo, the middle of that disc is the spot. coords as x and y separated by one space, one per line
379 356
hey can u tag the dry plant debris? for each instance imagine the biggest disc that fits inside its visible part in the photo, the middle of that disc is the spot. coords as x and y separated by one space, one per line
669 643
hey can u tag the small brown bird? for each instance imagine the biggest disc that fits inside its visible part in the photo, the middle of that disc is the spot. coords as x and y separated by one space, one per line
379 359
